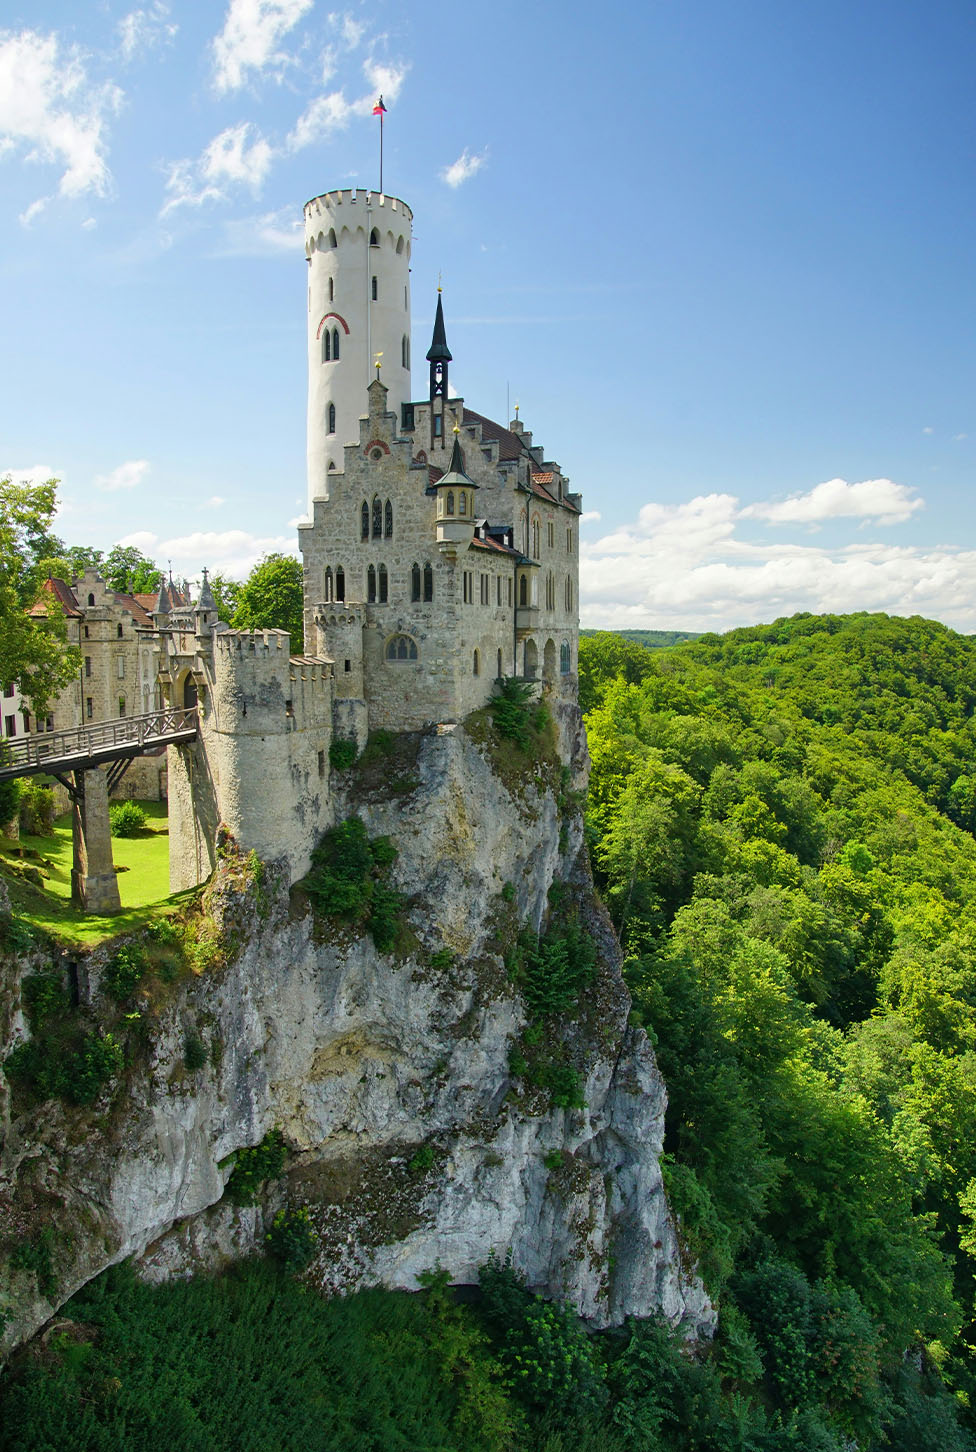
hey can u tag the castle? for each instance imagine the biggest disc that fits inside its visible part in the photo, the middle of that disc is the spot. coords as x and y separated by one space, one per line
440 554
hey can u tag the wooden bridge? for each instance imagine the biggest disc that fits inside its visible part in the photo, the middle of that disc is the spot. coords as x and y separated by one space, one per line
82 748
75 758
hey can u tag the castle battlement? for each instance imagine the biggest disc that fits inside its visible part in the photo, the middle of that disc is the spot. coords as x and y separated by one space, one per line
253 642
354 196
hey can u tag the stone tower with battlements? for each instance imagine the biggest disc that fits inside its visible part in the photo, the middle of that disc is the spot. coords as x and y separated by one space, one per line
358 248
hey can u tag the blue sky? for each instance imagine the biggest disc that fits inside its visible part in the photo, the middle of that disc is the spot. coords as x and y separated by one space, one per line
720 254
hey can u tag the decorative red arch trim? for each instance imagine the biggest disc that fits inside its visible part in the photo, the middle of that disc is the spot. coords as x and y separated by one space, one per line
377 444
339 317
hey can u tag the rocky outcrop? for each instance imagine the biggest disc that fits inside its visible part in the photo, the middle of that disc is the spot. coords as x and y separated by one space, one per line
412 1137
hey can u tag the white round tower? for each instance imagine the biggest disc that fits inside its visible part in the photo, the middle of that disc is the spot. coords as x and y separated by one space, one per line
358 247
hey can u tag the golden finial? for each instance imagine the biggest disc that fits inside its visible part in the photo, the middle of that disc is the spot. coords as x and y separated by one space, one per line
377 364
439 288
516 410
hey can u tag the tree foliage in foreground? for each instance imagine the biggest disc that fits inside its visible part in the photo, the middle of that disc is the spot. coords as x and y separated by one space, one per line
33 652
781 822
272 598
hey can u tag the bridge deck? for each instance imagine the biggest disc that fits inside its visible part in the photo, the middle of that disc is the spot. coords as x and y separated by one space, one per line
84 747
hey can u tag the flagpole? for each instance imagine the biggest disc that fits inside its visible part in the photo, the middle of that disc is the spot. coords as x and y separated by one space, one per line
381 150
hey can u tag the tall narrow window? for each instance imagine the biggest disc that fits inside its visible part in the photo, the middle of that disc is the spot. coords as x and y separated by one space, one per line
371 585
462 502
405 351
332 418
326 347
535 539
331 290
340 583
374 288
121 705
384 585
523 590
88 665
388 520
428 583
476 666
564 659
374 238
415 583
332 237
377 518
328 582
335 345
450 501
118 631
364 531
569 593
499 665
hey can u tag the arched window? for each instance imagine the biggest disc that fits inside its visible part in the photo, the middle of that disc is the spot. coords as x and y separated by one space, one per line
374 238
550 591
462 502
328 583
332 418
384 585
371 585
332 237
121 705
377 517
405 351
400 244
569 593
388 520
331 289
91 599
564 661
523 590
428 583
335 345
476 667
118 631
340 582
401 647
326 347
415 583
364 514
374 288
499 665
450 510
535 539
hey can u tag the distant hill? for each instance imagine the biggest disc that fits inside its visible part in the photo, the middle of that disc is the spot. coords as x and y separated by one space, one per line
651 639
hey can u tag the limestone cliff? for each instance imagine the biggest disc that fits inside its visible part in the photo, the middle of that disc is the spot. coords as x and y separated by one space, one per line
414 1137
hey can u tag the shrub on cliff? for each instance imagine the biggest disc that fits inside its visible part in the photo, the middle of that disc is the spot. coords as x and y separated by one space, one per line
349 879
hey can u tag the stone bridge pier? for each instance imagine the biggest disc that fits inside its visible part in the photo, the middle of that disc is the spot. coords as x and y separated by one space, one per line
94 885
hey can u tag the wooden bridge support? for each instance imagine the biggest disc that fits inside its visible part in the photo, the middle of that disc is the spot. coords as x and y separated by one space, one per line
94 885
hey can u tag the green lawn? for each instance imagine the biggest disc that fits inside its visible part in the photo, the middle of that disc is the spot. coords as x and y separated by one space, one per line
143 883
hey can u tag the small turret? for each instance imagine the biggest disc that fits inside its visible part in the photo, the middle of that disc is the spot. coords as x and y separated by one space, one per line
455 502
438 356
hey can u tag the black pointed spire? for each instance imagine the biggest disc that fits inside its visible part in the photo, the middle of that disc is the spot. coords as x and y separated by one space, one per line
456 466
439 352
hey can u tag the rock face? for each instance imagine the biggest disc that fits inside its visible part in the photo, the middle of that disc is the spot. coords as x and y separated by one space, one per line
394 1078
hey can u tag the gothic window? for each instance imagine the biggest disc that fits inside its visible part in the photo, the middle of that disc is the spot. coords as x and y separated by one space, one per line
375 288
332 237
535 539
400 244
523 590
384 585
328 582
415 583
340 583
476 670
377 517
91 599
374 238
401 647
326 347
450 501
332 418
462 502
524 531
405 351
371 584
428 583
564 659
335 345
388 520
365 520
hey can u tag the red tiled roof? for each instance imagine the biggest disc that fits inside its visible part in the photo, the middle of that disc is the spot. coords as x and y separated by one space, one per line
510 446
129 602
497 545
544 476
433 473
63 595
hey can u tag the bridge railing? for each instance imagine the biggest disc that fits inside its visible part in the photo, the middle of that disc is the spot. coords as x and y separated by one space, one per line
99 739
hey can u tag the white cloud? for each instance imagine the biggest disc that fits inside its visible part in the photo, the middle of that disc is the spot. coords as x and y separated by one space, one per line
227 159
690 566
36 474
232 552
50 107
880 500
957 437
142 30
385 78
465 166
333 112
215 501
590 516
268 235
126 476
928 430
249 41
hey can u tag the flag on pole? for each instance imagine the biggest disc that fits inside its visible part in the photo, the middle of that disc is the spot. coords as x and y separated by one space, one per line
379 109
